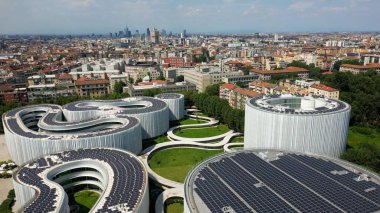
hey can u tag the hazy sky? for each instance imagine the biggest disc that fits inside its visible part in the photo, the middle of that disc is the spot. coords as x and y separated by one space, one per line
204 16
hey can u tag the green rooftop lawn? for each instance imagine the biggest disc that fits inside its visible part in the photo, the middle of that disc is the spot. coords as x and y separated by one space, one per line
191 121
202 132
174 208
175 163
238 139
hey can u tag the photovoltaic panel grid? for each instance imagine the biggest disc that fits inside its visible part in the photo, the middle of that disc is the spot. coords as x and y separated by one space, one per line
250 181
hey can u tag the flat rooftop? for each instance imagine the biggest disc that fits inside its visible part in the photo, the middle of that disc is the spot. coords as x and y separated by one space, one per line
297 104
276 181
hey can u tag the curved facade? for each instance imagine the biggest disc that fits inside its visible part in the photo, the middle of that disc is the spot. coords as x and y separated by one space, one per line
152 113
119 177
39 130
297 123
176 103
279 181
35 131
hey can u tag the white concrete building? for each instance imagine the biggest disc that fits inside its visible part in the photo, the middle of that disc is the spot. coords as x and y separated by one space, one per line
297 123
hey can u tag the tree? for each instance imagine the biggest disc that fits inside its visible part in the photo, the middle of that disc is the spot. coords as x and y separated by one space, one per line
131 80
365 154
240 84
337 64
161 77
212 90
138 81
298 64
247 69
179 78
151 92
118 87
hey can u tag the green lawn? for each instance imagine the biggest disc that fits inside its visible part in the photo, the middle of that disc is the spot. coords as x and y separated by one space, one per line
237 140
357 135
85 200
175 163
202 132
191 121
152 141
174 208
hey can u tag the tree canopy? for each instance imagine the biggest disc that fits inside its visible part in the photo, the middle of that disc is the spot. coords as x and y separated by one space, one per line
118 87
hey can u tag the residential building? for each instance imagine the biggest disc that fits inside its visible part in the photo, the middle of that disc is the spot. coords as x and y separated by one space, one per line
356 69
9 94
235 95
326 91
86 87
263 87
204 79
265 75
173 62
244 79
165 87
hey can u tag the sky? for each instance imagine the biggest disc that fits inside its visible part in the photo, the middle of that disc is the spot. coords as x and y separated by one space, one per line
196 16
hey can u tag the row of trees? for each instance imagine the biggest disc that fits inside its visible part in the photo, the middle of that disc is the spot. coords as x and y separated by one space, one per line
6 205
210 103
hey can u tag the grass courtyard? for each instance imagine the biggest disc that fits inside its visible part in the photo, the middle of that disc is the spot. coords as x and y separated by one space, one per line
175 163
174 205
202 132
85 199
188 121
238 139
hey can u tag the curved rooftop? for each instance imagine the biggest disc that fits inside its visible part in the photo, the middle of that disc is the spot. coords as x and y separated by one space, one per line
277 181
169 96
126 185
46 121
297 104
134 105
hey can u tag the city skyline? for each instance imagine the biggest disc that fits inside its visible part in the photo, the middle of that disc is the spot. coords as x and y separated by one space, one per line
227 16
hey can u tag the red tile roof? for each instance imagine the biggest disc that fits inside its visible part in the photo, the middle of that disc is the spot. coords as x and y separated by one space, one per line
368 66
247 92
323 87
86 81
228 86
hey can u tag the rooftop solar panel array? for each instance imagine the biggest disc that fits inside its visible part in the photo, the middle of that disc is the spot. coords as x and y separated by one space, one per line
16 122
248 182
128 185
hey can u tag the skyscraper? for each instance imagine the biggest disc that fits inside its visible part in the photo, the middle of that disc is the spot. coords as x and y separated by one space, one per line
155 36
147 34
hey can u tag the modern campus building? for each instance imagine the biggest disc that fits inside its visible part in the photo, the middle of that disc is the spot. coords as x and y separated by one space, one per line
306 124
39 130
278 181
175 103
120 178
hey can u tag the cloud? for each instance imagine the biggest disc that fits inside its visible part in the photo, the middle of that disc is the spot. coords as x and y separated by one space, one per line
251 10
80 3
189 11
335 9
300 6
